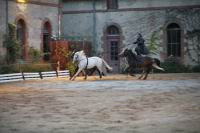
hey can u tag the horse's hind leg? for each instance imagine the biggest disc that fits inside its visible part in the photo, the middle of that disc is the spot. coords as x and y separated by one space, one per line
91 71
100 72
147 72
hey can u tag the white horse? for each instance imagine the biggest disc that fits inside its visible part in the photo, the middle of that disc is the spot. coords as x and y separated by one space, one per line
88 63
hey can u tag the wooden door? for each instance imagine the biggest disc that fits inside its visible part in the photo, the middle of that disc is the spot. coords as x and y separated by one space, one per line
113 54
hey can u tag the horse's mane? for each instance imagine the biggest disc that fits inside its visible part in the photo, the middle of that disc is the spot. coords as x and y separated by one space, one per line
82 52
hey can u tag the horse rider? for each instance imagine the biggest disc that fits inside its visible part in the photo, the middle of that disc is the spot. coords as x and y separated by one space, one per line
141 49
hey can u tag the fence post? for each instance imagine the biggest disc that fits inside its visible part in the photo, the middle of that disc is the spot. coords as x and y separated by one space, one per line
58 66
23 75
40 73
56 73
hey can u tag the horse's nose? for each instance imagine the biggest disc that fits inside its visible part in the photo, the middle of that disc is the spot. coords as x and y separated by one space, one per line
121 54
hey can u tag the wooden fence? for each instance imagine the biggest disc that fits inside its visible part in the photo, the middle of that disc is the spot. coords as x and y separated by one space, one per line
35 75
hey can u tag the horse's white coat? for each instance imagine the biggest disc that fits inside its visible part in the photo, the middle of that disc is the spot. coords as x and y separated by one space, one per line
81 58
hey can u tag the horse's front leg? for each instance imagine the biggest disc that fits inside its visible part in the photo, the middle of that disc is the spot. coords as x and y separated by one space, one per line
126 70
79 70
72 74
147 72
143 71
85 73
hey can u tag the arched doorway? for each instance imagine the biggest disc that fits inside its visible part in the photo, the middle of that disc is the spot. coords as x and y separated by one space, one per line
46 41
21 37
112 47
174 40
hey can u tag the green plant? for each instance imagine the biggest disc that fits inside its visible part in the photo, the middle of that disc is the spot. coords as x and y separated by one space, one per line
35 67
72 68
34 54
173 65
32 67
68 54
196 68
11 44
152 43
6 69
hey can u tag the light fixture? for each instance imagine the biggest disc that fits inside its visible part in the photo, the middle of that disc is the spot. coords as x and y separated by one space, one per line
22 1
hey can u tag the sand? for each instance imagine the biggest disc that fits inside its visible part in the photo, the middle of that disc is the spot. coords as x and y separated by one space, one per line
165 103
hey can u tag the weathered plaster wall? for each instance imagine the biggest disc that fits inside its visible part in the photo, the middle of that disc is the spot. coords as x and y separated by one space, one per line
156 3
190 22
77 5
146 21
78 25
34 15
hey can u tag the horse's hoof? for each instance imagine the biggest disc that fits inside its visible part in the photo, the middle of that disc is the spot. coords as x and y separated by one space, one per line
133 75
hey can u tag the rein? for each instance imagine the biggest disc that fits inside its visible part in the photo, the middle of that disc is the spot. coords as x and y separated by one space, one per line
131 56
86 63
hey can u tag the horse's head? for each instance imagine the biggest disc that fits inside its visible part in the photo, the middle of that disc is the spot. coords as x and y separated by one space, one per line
78 55
126 52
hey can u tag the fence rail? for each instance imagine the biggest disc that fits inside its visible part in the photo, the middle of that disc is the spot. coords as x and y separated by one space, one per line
35 75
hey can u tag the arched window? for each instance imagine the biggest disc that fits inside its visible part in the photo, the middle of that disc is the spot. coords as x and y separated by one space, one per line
46 41
113 30
21 34
173 40
112 4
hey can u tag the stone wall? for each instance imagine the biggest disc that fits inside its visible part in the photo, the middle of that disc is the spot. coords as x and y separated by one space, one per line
2 28
190 22
155 3
152 17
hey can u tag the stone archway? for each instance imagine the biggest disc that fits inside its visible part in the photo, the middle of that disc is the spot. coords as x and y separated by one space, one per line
46 36
173 26
21 37
173 40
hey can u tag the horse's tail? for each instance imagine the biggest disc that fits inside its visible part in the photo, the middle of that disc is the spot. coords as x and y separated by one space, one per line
156 64
106 64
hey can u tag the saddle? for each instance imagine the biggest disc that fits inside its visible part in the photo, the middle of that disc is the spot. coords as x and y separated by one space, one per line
140 59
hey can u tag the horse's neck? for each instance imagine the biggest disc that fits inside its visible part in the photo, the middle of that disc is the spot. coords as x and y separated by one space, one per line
82 57
131 58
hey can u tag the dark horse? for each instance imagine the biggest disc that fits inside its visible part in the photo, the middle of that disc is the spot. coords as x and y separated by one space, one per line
146 63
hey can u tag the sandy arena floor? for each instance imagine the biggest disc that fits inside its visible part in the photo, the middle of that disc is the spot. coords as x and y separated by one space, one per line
165 103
